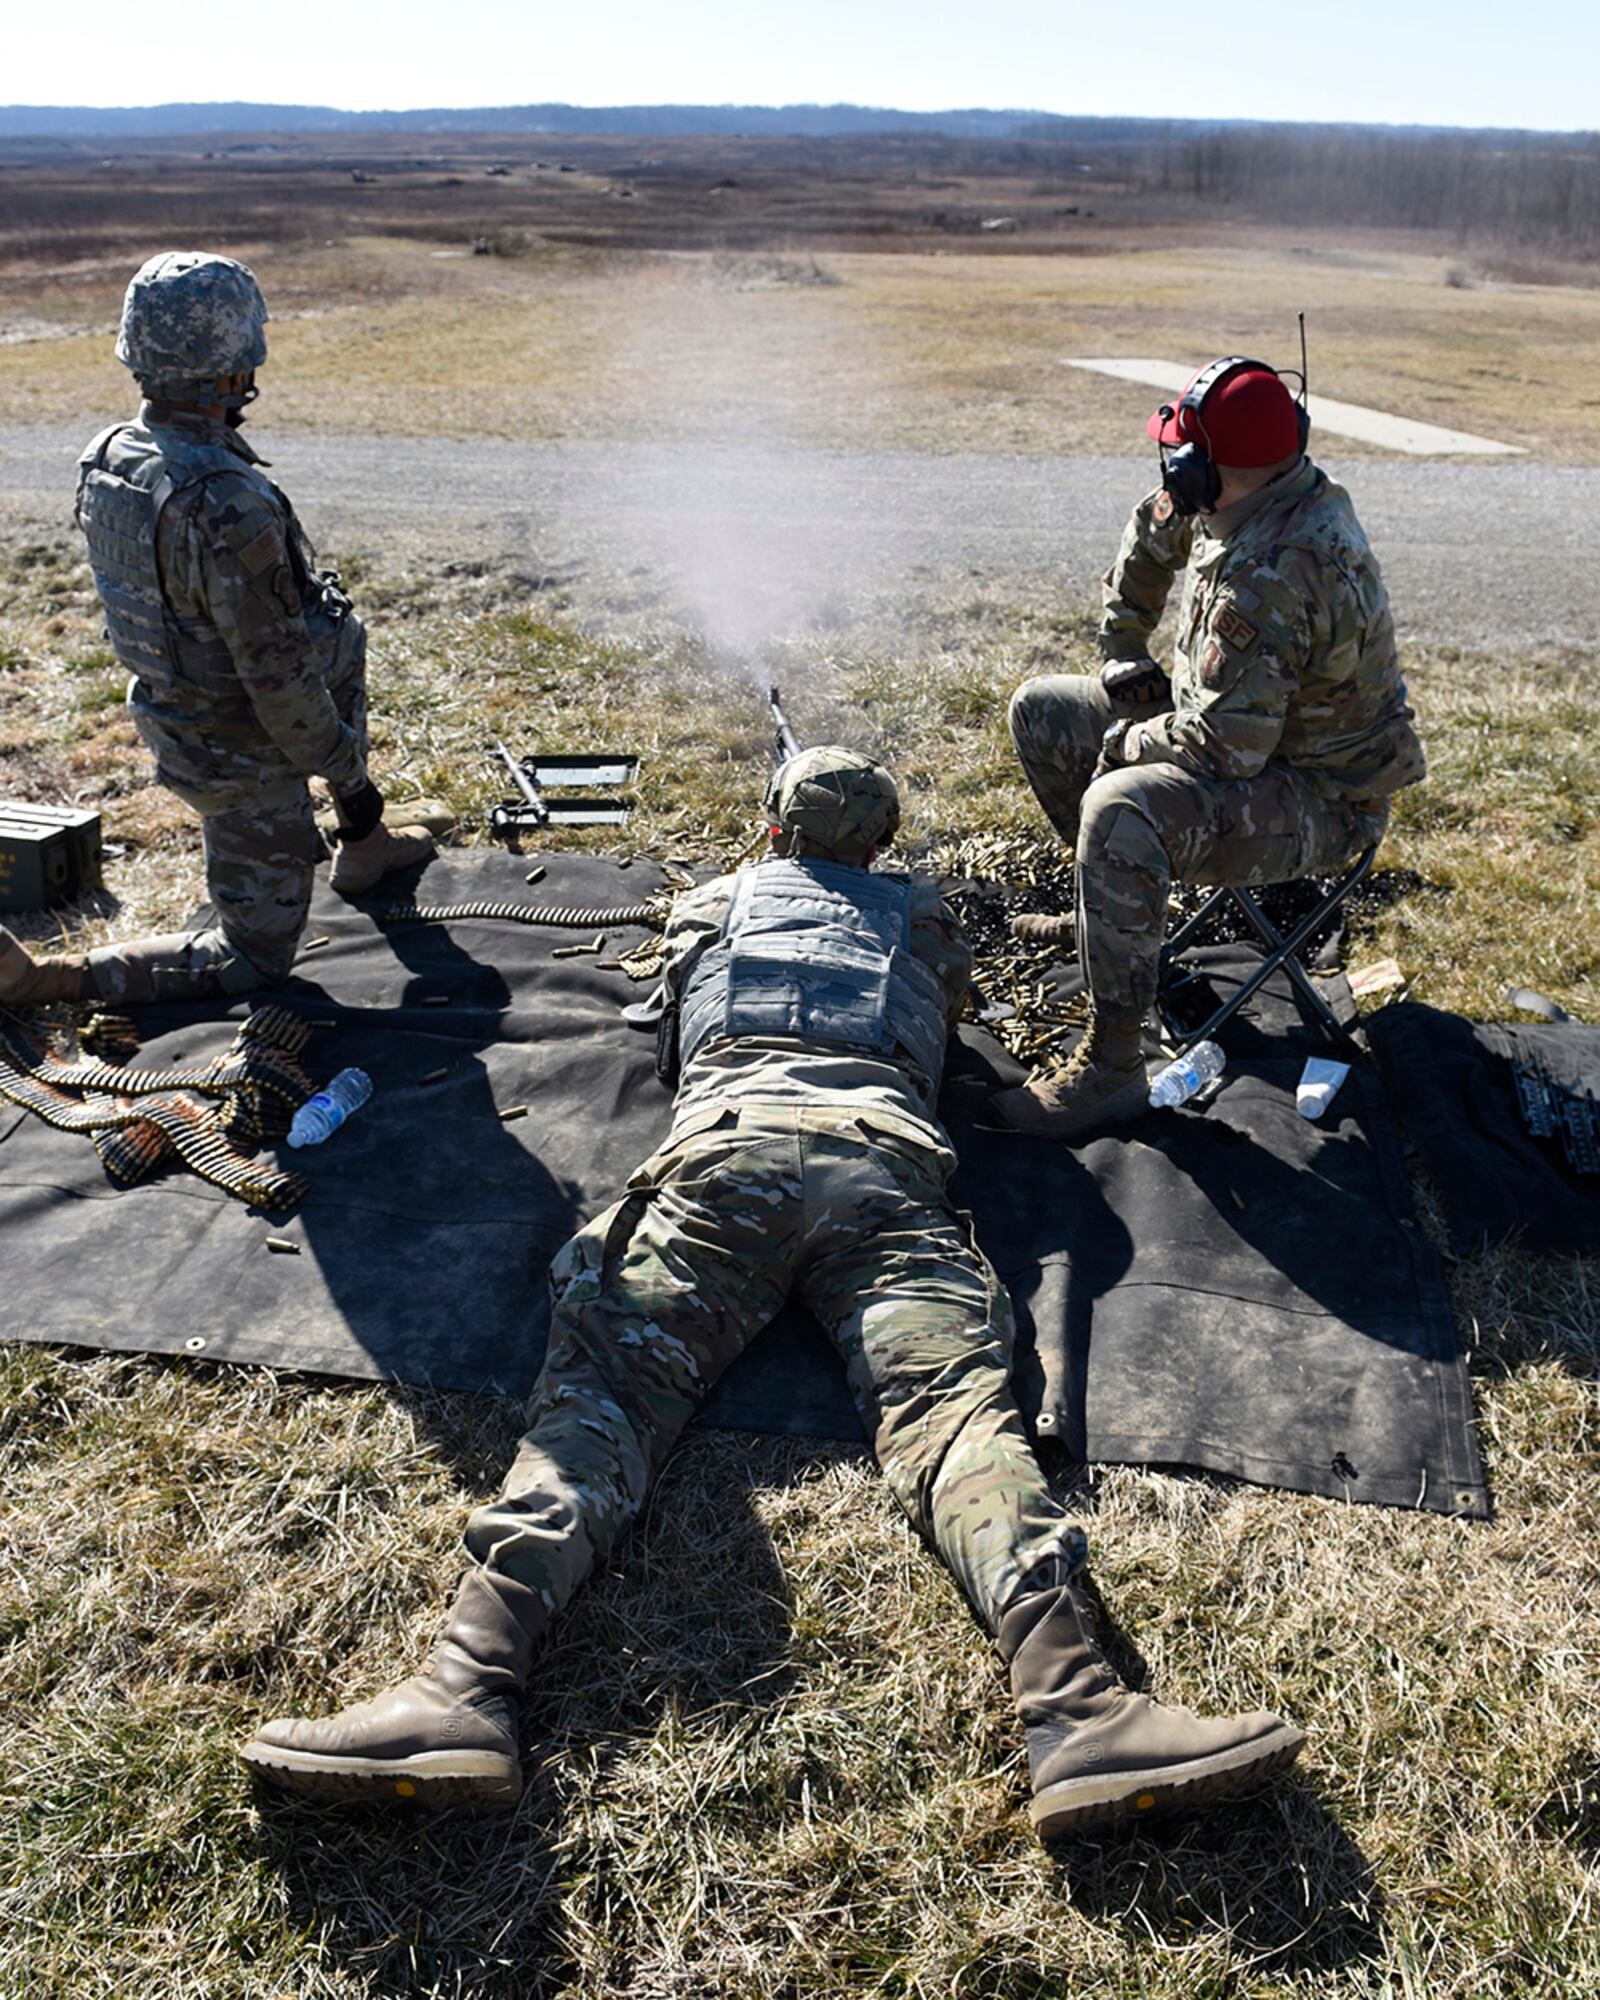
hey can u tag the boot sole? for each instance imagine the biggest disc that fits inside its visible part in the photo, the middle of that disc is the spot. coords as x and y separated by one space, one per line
429 1778
1105 1799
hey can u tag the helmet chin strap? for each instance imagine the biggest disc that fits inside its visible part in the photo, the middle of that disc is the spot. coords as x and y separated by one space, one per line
240 401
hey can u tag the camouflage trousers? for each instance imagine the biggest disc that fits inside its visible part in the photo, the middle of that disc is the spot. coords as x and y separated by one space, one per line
260 860
261 851
655 1299
1139 828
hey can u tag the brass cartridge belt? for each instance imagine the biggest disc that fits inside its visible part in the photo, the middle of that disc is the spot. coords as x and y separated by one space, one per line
520 913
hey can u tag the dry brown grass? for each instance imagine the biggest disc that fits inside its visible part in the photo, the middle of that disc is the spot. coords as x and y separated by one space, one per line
941 352
769 1752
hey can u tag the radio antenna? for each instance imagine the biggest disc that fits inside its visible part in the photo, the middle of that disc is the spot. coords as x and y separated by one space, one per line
1305 386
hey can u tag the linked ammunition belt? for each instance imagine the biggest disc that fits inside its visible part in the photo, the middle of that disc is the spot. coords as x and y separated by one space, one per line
521 913
194 1132
55 1107
140 1119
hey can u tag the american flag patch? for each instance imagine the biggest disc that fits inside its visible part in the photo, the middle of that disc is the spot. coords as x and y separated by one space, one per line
266 548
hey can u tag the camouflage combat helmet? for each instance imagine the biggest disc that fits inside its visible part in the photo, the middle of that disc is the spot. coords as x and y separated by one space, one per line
189 320
834 801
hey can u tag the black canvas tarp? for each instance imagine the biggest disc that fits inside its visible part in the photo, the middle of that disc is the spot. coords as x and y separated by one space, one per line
1237 1290
1452 1082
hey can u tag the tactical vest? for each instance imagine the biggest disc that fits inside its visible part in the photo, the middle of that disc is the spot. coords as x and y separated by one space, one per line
120 514
818 952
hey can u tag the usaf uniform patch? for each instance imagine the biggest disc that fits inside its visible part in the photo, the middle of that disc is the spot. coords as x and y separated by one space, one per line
1162 510
1212 662
1240 634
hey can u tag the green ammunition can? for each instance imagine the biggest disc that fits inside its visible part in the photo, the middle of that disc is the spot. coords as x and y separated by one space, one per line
48 854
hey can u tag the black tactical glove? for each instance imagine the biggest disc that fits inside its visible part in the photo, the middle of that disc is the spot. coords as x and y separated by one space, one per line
360 812
1136 684
1112 757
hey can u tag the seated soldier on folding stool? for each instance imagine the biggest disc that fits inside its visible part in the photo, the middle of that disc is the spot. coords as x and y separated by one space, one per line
814 1000
1273 753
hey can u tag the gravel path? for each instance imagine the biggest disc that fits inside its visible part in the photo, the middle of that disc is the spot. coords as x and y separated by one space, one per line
750 541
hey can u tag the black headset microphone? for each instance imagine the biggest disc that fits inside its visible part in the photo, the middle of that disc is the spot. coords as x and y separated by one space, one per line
1189 475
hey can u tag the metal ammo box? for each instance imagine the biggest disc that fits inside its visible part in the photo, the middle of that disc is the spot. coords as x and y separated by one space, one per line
48 854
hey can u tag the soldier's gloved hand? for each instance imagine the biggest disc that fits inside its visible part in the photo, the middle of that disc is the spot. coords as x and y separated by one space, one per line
1136 683
1114 752
360 812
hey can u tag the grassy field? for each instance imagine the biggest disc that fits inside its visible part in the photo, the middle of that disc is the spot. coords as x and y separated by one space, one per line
769 1752
943 352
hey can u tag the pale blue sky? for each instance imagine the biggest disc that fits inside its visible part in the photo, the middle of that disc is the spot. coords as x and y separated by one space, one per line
1445 62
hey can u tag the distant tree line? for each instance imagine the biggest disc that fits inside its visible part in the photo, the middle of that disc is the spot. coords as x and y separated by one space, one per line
1529 189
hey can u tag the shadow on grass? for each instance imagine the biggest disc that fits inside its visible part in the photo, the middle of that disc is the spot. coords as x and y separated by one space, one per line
480 1909
1276 1876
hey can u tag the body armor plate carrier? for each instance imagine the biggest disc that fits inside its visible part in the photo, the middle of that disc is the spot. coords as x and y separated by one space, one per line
819 952
120 513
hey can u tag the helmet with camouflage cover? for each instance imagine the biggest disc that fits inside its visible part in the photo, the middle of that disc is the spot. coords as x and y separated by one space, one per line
189 320
832 801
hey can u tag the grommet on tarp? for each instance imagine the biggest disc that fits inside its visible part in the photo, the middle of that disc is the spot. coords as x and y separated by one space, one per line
194 1343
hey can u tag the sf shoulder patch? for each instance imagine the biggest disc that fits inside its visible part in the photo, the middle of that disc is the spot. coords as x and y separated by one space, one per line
1213 664
1240 634
1162 510
265 549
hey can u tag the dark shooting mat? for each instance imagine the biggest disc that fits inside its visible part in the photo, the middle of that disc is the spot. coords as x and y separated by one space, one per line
1452 1083
1302 1339
1234 1287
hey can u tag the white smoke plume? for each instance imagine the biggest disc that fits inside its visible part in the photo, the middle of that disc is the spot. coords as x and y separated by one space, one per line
756 533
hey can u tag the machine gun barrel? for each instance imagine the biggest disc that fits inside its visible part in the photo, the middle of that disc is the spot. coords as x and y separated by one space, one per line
785 743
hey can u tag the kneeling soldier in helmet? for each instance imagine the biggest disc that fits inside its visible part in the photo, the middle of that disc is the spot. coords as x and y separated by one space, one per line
248 664
1272 754
814 1000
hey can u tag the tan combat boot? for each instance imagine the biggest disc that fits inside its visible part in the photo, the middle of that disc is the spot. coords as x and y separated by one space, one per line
1041 927
430 815
26 981
360 865
1097 1751
1102 1083
446 1737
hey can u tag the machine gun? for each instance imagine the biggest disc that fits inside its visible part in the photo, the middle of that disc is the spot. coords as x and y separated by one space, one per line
785 744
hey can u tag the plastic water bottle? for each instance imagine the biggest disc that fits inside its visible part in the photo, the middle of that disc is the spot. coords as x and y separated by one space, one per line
1193 1070
321 1116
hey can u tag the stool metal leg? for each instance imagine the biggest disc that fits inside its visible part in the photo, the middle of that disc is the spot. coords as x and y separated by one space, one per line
1280 951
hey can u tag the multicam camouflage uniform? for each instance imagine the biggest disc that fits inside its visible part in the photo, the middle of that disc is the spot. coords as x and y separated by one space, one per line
814 1172
814 1002
1286 735
248 666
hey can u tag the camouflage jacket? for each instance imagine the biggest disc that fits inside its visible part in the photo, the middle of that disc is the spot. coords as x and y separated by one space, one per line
1284 649
240 708
839 1084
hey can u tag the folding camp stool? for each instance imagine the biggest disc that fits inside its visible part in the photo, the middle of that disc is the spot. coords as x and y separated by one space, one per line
1281 952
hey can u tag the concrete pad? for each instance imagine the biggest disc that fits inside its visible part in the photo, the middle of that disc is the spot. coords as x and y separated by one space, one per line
1342 419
